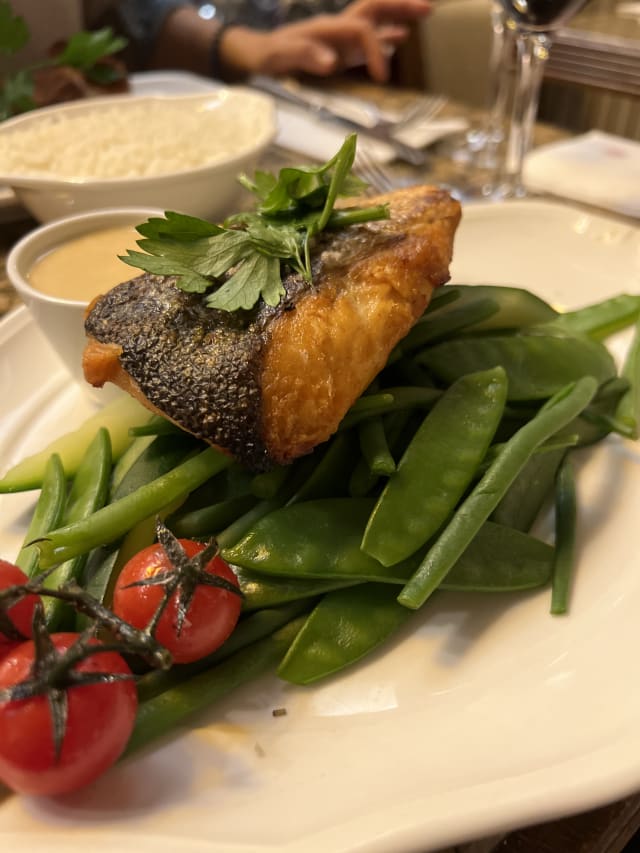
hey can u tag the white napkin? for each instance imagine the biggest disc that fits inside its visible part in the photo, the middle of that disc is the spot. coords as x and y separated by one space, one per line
300 130
595 168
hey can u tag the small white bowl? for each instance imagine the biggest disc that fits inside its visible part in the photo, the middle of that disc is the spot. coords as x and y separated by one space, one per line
52 177
62 320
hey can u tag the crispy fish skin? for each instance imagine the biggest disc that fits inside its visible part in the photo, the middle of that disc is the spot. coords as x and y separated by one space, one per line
269 385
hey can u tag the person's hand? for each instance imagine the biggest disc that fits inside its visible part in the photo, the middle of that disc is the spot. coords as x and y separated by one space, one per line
366 33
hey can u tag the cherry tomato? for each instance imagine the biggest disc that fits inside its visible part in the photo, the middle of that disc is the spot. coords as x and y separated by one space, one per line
21 614
99 723
210 618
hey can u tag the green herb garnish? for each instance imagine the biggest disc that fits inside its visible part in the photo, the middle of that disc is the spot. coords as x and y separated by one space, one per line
84 51
14 33
241 261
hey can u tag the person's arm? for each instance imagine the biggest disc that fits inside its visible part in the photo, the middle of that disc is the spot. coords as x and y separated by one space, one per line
321 45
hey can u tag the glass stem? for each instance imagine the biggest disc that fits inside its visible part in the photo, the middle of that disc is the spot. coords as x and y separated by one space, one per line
500 73
532 50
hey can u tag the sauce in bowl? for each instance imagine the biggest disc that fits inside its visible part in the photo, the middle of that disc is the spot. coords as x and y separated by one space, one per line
86 266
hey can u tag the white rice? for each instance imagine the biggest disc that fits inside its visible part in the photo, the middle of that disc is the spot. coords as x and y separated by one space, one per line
131 139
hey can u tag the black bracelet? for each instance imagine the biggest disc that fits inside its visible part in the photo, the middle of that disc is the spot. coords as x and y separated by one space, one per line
215 67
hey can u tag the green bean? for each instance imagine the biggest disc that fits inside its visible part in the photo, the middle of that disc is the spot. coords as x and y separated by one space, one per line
537 366
476 508
374 447
628 409
565 520
268 484
112 521
210 520
249 630
599 320
89 491
362 481
437 467
46 516
159 715
238 528
390 400
344 627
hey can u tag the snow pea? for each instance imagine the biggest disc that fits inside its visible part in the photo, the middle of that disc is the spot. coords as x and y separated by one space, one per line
47 514
445 323
600 416
249 630
343 627
476 308
565 523
517 308
437 466
485 496
158 458
262 591
112 521
601 319
525 497
89 491
628 408
501 559
537 366
164 712
314 539
300 548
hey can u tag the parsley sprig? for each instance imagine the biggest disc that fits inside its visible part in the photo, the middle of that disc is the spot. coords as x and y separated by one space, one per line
241 261
84 51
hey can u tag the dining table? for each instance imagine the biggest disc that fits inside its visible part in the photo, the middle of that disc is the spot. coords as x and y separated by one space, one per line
608 828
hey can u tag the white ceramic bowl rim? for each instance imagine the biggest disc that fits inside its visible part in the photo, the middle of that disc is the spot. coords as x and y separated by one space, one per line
45 237
256 142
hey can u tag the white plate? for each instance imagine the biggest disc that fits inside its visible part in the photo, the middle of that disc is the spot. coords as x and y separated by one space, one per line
488 714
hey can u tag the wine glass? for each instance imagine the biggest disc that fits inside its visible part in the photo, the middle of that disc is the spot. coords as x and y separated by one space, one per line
482 139
532 23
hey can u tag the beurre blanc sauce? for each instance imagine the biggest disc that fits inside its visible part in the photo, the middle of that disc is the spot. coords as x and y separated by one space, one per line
86 266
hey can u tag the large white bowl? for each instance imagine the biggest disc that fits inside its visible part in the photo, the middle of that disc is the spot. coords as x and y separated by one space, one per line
62 320
208 190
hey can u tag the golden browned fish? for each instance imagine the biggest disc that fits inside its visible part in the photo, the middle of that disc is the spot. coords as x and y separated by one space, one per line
270 384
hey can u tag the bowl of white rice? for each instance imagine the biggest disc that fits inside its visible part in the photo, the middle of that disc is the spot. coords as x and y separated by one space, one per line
175 152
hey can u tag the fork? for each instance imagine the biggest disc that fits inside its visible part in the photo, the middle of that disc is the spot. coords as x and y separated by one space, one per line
367 167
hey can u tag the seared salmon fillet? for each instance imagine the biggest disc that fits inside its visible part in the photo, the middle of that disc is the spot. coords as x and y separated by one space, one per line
268 385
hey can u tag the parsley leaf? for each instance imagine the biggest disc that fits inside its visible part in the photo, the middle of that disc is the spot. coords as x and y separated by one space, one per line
240 262
85 49
14 33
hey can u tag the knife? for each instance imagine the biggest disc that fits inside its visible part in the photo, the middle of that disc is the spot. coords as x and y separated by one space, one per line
414 156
